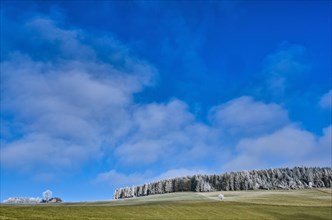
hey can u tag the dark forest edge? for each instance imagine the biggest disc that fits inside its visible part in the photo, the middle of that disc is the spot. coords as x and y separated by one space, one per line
268 179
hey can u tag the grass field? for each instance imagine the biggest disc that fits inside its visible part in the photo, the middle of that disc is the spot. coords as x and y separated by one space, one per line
295 204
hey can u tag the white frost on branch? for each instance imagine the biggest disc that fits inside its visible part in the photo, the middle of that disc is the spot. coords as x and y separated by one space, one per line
22 200
47 194
279 178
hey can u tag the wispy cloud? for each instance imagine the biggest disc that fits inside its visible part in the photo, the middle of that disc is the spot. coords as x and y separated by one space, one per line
117 179
326 100
281 70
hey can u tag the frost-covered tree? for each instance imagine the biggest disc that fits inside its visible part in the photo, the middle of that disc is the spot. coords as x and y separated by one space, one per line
47 195
281 178
22 200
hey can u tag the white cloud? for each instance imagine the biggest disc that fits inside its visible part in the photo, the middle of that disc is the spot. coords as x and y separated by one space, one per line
68 106
289 146
323 153
163 131
153 120
65 108
46 152
326 100
68 41
326 138
168 131
246 116
288 142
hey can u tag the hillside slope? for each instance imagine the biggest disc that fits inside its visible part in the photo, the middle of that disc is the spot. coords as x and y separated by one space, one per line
250 204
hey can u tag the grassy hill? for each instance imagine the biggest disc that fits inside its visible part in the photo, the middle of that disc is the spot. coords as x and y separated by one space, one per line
260 204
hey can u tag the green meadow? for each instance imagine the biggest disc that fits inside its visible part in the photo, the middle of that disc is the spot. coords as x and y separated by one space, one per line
273 204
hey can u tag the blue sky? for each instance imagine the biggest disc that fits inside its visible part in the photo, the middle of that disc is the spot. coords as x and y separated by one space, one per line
100 95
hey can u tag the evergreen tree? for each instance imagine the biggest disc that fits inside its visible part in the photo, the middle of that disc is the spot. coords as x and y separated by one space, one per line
282 178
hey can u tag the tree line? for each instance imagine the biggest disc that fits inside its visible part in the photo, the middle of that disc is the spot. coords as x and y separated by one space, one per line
268 179
47 198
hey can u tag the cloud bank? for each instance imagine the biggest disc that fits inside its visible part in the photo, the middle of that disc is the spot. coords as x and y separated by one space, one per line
79 105
67 106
